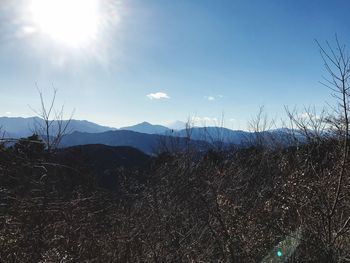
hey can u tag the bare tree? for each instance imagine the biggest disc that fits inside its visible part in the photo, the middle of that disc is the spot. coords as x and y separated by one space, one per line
336 61
259 126
176 141
337 64
52 126
309 125
323 174
2 136
217 135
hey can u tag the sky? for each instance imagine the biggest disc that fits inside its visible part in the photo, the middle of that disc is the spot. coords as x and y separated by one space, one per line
164 60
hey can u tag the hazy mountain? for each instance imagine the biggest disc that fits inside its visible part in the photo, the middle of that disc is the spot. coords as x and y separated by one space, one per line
23 127
212 134
148 143
146 127
176 125
18 126
237 137
143 136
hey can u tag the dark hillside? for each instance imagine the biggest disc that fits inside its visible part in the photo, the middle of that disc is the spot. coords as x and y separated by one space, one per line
100 157
105 163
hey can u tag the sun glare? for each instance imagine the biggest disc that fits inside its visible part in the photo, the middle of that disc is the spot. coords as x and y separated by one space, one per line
72 23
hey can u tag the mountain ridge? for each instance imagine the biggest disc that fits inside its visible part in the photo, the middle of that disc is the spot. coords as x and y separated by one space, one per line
148 143
25 126
146 127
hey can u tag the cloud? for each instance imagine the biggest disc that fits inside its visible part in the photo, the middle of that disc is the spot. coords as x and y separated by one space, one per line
204 121
212 98
308 116
8 113
158 96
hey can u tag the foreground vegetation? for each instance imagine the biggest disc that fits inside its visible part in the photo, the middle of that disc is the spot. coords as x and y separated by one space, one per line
231 206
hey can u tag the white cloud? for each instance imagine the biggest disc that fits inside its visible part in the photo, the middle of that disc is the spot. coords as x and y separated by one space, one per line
308 116
205 121
8 113
212 98
158 96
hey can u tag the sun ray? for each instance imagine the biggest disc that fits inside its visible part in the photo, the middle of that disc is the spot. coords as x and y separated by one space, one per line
72 23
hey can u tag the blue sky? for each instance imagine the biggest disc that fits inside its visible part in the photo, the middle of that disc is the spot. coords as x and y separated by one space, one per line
165 60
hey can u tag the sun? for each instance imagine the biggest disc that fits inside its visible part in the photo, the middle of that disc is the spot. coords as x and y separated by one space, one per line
72 23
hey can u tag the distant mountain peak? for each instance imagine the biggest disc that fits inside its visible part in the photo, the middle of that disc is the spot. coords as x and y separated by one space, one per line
146 127
176 125
144 123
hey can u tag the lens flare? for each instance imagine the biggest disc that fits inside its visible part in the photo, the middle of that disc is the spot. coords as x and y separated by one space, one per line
72 23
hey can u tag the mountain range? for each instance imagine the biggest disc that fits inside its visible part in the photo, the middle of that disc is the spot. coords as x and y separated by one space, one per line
144 136
17 127
148 143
